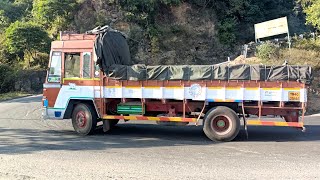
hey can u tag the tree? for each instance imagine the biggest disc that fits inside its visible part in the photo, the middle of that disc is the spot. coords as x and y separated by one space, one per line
55 15
13 11
143 12
26 38
312 10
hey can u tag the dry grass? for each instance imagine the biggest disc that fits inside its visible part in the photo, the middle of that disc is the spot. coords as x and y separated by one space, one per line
293 57
301 57
242 60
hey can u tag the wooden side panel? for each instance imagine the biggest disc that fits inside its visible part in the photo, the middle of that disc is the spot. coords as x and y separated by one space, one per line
207 83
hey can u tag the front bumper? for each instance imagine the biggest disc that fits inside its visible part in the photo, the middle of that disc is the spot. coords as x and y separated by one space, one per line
51 113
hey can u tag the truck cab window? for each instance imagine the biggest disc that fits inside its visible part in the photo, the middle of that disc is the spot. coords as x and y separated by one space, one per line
72 65
54 74
86 69
96 67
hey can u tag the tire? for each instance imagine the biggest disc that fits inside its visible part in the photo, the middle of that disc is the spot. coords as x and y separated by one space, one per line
221 124
84 119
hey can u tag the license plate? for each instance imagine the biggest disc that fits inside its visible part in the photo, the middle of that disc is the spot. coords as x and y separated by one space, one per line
294 96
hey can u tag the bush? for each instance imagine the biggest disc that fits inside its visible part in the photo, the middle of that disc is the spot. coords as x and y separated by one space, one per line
267 51
226 31
143 12
17 79
7 78
30 81
307 44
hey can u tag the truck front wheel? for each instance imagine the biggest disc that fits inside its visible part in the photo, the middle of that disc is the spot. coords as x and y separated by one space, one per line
84 119
221 124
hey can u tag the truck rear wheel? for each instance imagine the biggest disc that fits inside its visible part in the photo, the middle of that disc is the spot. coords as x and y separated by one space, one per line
221 124
84 119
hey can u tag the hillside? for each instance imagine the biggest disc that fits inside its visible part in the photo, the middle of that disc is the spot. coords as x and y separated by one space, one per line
187 32
160 32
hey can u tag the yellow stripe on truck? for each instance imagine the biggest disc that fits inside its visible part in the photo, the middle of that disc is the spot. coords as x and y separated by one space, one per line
274 123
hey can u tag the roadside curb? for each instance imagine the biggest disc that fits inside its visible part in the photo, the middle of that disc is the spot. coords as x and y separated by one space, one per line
25 96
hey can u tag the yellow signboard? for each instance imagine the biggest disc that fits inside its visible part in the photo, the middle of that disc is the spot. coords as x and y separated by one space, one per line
271 28
294 96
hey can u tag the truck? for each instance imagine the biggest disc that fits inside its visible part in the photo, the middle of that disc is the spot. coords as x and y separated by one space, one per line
86 85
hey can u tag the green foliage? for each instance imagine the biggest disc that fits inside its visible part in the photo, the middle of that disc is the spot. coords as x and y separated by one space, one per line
227 31
144 11
5 57
267 51
26 38
7 76
2 50
307 44
237 17
12 79
11 12
312 10
40 61
54 14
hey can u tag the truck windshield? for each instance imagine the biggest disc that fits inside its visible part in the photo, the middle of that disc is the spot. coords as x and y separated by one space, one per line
54 74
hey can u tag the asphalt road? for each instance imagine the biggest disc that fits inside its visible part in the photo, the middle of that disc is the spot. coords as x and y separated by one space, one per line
31 148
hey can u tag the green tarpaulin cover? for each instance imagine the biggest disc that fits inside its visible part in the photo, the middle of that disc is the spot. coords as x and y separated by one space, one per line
114 60
212 72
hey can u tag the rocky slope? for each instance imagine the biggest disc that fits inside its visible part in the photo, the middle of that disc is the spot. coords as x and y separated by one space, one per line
185 34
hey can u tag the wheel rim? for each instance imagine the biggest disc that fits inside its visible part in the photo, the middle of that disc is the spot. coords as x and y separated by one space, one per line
221 124
81 119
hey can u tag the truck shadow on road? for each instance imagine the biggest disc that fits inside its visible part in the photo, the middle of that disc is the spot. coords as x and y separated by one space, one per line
24 141
281 134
